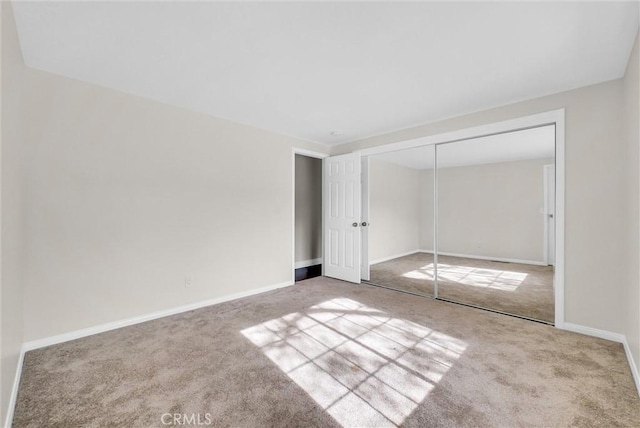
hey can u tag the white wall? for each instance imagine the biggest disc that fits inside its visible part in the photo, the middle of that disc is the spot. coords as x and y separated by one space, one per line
492 210
426 209
394 204
12 200
631 90
595 167
129 196
308 210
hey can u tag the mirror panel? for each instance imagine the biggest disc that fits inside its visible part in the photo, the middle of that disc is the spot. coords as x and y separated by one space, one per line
401 220
494 228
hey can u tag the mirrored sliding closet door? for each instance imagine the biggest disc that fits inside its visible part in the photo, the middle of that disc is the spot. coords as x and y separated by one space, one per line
495 225
401 225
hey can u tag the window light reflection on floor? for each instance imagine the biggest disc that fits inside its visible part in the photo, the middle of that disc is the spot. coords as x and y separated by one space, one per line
469 275
362 366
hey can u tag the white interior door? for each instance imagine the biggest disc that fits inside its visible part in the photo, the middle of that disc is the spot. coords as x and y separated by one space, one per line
342 210
550 212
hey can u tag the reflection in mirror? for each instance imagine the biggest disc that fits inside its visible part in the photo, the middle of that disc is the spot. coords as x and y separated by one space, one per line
401 212
495 222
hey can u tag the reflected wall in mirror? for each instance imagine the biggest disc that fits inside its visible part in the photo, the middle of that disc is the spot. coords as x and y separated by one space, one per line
401 212
495 222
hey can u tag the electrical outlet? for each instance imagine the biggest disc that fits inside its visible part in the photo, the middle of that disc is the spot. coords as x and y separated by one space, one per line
187 281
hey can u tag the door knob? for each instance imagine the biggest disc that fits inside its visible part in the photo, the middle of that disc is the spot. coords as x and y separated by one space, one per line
354 224
364 224
550 215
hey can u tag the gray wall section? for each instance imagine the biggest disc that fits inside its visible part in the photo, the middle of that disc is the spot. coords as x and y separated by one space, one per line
308 226
394 209
492 210
426 209
128 197
13 215
631 91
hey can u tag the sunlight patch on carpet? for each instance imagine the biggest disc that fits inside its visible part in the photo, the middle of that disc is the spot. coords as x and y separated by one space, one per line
474 276
362 366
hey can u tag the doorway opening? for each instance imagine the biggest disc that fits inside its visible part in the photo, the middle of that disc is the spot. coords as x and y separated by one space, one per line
307 242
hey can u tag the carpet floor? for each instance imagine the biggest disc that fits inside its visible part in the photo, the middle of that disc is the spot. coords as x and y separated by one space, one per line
327 353
513 288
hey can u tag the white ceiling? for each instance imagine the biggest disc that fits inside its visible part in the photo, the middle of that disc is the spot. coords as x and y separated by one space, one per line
535 143
307 69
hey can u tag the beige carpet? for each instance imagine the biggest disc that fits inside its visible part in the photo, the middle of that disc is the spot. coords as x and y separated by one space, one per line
328 353
407 273
518 289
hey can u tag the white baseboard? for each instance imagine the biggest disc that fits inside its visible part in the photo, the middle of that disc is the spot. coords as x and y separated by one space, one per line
615 337
497 259
307 263
466 256
590 331
53 340
395 256
632 364
14 390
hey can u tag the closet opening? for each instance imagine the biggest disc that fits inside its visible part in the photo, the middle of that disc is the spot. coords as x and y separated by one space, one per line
474 217
307 231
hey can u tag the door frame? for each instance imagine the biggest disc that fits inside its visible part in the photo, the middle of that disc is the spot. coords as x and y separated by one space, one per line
546 170
312 154
553 117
